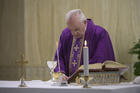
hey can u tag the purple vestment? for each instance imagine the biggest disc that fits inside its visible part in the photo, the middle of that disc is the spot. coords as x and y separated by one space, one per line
98 42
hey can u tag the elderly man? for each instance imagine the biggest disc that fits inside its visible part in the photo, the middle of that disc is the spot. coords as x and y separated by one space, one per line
71 43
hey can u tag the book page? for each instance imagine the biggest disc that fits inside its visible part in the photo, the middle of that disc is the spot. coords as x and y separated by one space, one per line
92 66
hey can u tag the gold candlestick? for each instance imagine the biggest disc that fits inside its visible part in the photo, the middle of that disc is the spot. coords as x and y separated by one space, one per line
22 63
86 78
58 61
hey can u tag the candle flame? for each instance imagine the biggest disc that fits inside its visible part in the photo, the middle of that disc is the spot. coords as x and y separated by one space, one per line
85 43
56 44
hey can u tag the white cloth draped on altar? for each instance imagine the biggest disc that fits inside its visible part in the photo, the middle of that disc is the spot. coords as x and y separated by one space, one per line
38 86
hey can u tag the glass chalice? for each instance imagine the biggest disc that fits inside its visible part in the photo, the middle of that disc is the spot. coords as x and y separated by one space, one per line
52 65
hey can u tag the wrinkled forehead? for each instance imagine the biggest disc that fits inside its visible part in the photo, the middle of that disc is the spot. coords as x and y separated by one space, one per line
73 24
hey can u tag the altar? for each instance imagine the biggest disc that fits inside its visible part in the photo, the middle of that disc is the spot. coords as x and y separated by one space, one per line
38 86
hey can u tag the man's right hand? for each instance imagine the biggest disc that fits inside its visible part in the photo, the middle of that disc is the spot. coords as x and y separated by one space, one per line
64 77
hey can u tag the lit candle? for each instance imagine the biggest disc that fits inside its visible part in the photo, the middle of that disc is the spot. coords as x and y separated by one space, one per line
86 62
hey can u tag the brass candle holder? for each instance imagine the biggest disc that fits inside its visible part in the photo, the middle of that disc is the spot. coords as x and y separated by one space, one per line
86 78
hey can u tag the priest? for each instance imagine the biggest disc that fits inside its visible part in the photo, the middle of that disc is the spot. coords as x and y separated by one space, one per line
70 46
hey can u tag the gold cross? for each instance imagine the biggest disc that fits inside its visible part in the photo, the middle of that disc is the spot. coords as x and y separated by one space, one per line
74 63
76 47
22 62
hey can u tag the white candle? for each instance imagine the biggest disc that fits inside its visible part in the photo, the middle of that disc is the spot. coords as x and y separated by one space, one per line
86 62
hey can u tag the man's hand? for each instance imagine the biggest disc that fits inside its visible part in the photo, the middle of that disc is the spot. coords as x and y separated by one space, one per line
64 77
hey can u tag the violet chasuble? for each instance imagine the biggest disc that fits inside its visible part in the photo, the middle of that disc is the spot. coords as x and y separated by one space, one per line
75 55
70 49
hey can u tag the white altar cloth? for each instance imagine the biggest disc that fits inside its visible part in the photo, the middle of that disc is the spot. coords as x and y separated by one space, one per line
37 86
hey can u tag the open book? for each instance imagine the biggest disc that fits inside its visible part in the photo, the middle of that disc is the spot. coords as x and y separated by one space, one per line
106 65
100 67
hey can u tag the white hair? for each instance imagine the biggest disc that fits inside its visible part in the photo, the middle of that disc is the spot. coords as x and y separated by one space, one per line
78 12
